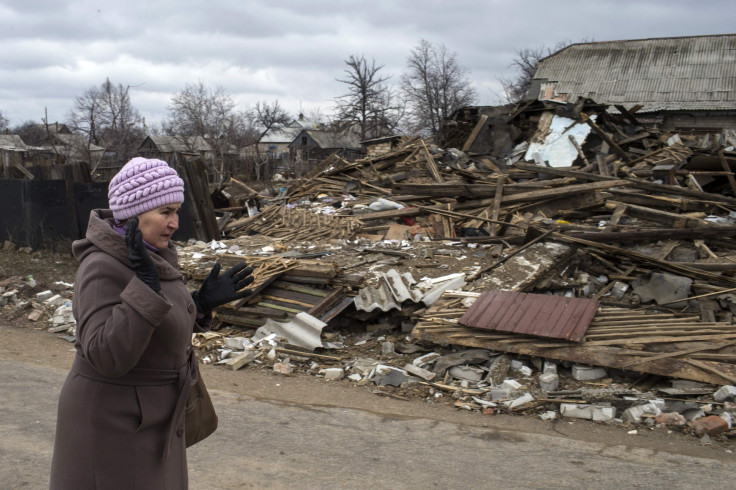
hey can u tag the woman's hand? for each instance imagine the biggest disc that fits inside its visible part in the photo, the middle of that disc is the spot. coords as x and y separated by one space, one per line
139 257
218 290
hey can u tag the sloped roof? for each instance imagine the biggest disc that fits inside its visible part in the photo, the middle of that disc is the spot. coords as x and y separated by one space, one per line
54 128
676 73
12 141
76 140
281 135
304 124
171 144
330 139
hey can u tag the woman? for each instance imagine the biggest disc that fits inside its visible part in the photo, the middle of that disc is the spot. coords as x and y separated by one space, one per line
121 419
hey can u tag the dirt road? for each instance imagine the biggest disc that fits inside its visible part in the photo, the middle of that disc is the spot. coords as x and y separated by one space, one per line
298 432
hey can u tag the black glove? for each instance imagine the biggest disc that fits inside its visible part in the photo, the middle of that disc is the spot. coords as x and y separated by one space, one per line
216 291
139 257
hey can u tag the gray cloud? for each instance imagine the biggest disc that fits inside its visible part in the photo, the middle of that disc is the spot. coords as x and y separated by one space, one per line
291 50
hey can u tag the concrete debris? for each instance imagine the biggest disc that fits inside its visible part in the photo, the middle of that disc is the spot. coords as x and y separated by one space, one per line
597 413
549 381
466 372
473 356
35 315
283 368
662 288
671 418
588 373
388 376
422 373
725 393
333 374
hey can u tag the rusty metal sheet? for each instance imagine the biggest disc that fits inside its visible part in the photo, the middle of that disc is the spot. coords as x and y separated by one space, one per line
541 315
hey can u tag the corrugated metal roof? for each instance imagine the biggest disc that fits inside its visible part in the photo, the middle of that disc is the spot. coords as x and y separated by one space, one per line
541 315
682 73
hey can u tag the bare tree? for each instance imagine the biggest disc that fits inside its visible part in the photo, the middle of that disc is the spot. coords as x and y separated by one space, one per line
317 116
269 116
4 122
266 117
31 132
106 117
525 63
368 103
434 86
198 111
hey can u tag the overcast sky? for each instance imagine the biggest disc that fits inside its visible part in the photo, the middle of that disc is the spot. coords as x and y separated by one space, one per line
292 51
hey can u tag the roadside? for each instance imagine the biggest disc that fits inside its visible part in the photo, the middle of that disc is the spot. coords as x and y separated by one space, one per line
23 343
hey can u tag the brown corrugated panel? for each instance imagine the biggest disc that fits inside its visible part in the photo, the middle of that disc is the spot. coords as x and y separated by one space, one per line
542 315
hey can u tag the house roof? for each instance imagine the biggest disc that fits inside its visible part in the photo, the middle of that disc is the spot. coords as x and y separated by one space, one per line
12 142
330 139
374 141
76 140
54 128
171 144
662 74
281 135
304 124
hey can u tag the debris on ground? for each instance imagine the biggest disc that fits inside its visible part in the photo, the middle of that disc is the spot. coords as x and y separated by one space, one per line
560 261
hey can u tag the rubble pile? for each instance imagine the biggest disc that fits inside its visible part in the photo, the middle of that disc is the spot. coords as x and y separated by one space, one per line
611 241
566 201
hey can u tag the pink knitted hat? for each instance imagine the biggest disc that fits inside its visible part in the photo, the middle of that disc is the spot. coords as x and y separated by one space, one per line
143 184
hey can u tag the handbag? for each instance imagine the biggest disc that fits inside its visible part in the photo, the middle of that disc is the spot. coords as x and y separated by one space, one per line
200 419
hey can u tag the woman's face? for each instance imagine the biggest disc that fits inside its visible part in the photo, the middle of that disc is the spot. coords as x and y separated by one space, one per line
157 225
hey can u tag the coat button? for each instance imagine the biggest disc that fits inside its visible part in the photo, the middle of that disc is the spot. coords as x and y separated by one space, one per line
190 307
180 431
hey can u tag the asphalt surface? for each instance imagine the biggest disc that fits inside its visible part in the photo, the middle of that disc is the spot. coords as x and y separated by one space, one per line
264 444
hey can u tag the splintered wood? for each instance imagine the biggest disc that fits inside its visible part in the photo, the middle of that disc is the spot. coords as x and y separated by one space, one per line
617 338
296 224
264 268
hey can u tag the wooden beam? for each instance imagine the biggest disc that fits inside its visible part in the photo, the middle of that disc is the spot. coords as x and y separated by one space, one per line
22 170
641 184
567 190
617 149
673 220
476 131
495 227
727 168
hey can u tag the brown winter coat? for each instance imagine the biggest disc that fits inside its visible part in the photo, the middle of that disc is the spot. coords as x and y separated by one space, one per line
119 403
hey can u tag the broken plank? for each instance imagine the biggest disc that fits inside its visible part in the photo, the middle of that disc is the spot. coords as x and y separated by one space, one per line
701 348
605 356
474 134
604 136
562 191
672 220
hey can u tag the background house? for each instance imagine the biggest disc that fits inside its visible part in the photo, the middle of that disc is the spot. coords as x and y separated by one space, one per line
311 146
162 147
275 143
681 83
